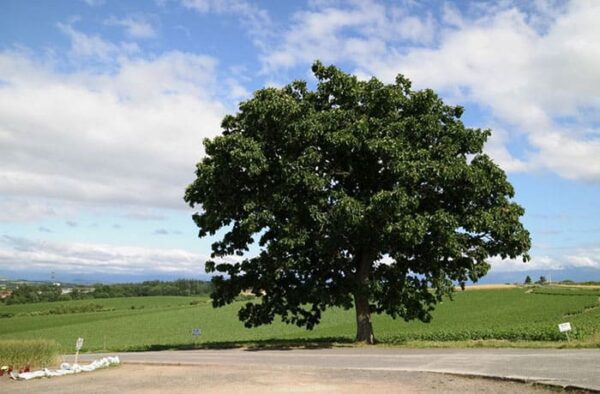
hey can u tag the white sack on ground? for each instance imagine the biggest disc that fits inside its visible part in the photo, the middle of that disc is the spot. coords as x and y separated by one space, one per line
67 369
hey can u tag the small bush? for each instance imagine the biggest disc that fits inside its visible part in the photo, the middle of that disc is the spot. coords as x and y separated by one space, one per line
18 354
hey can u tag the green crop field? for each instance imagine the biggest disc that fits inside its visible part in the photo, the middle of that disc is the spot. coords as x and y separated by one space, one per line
518 314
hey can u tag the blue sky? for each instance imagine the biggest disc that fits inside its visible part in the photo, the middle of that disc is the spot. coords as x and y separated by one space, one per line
104 105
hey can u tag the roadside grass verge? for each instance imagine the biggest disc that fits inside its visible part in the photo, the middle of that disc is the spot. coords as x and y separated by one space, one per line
18 354
587 343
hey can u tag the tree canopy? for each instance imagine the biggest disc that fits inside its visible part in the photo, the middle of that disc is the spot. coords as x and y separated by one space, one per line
359 193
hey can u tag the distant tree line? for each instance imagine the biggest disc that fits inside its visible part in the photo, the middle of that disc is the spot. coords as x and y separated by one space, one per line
25 293
543 281
180 287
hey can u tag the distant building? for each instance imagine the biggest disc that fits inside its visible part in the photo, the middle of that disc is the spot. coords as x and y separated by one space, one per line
5 294
82 290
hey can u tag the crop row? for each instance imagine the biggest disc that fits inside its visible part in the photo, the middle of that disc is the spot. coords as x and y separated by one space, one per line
527 334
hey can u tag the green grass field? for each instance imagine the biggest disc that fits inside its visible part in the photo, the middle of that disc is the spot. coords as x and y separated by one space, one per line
519 314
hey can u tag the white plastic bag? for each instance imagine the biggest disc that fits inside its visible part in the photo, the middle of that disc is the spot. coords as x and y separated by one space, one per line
67 369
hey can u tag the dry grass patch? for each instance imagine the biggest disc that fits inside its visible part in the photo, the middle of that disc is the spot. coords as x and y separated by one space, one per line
19 354
591 342
577 286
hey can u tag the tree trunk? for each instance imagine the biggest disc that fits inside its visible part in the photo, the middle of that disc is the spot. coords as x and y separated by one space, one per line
364 327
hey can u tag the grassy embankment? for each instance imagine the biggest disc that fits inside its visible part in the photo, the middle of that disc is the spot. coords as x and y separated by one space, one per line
493 317
19 354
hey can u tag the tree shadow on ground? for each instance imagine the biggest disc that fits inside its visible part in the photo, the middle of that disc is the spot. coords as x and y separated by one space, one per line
256 345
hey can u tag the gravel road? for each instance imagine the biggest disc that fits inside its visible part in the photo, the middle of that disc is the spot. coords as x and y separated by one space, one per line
560 367
150 379
344 370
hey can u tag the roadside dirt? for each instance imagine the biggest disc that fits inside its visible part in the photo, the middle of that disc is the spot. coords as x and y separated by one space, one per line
219 379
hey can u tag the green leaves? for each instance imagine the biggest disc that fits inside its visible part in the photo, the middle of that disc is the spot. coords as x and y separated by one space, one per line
333 179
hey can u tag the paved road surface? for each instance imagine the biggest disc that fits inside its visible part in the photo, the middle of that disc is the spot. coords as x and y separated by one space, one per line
193 379
574 367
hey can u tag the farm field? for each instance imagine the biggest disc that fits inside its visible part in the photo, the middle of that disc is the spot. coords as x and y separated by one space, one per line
143 323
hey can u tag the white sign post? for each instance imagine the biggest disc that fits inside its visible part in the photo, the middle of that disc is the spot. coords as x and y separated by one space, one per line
78 346
565 327
196 332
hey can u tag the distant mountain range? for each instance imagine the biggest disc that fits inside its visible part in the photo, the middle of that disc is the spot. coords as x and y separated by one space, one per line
88 279
577 275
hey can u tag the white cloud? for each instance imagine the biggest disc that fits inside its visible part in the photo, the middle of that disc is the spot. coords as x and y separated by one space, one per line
130 137
578 258
587 258
88 258
85 46
361 31
134 27
496 148
237 91
254 19
94 3
535 70
527 79
24 211
536 263
202 6
143 214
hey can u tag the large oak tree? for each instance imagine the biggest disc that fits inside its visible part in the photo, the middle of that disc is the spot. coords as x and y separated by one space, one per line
359 193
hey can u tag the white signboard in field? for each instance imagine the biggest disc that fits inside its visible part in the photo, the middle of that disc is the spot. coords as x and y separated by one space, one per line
79 344
564 327
196 332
